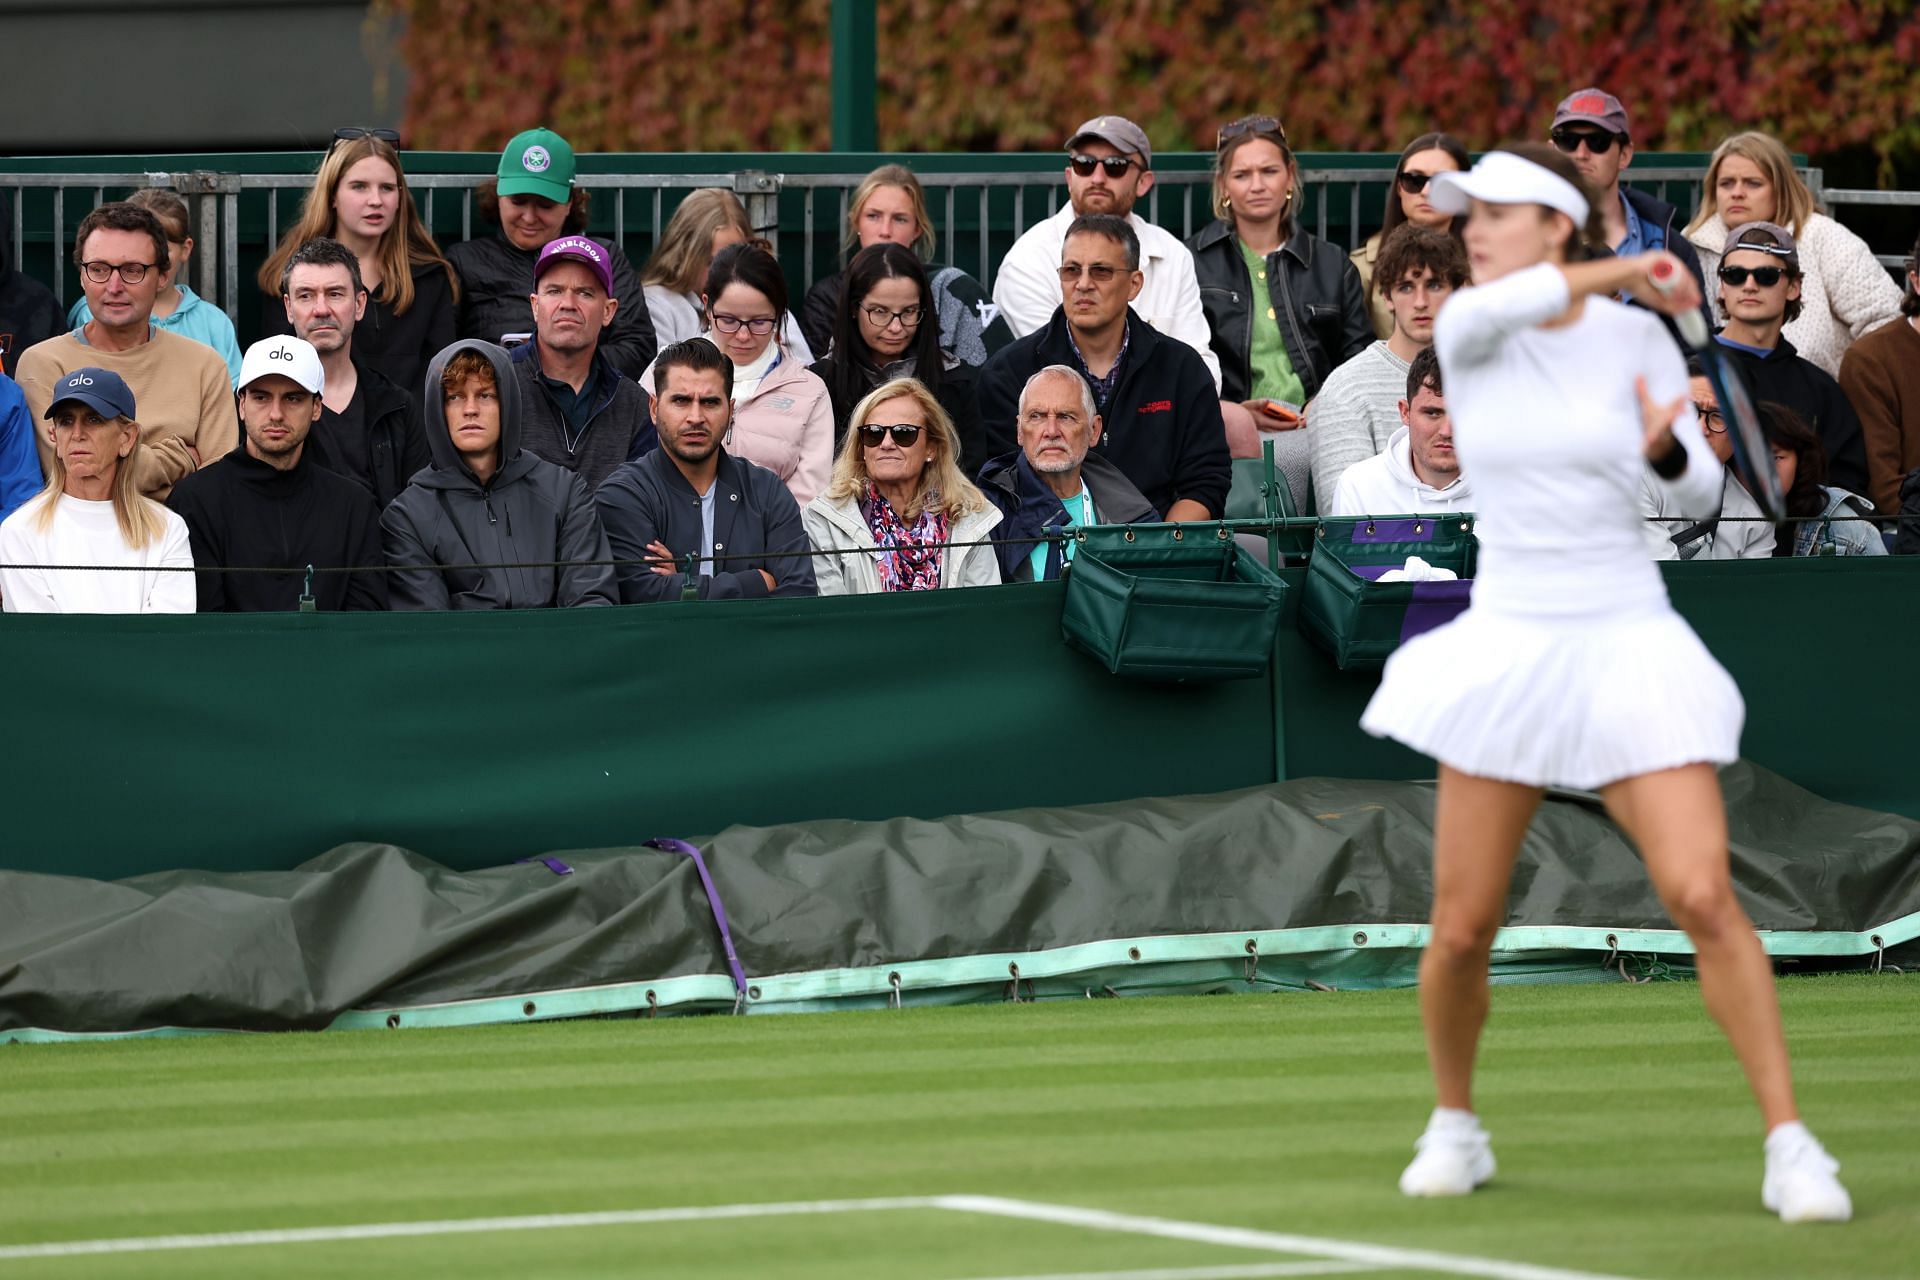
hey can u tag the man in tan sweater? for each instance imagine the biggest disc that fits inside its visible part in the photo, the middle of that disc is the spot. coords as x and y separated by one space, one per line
187 414
1881 376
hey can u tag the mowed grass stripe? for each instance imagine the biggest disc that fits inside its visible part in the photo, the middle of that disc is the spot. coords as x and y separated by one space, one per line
1626 1138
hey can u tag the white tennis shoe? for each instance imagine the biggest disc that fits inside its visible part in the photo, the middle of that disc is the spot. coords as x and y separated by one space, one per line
1455 1155
1801 1183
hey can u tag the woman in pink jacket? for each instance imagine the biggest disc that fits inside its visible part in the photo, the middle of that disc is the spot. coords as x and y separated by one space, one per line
782 414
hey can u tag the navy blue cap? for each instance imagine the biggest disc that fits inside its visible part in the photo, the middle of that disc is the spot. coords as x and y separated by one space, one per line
101 390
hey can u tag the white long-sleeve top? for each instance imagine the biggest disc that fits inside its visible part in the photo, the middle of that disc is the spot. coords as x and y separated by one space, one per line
1547 422
1026 288
88 533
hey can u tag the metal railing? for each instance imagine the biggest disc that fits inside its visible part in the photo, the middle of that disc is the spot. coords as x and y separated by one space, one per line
976 215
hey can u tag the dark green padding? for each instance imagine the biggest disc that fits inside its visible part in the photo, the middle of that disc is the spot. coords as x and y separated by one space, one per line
1184 893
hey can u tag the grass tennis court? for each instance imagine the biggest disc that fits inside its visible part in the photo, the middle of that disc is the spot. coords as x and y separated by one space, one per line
1184 1138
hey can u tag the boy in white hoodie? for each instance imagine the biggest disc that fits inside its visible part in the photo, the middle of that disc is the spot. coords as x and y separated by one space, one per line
1418 472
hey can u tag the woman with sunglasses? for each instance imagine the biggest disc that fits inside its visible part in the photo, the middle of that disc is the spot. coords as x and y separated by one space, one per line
899 509
1570 668
782 414
360 198
1284 307
531 201
1845 293
177 308
885 326
890 207
1425 158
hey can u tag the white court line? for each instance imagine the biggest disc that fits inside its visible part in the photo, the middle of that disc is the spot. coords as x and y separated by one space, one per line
1250 1271
1271 1241
993 1206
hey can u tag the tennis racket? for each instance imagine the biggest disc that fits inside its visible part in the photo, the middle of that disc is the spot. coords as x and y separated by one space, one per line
1752 456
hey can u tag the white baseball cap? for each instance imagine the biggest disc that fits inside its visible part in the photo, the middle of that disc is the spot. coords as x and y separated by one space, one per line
1502 177
287 356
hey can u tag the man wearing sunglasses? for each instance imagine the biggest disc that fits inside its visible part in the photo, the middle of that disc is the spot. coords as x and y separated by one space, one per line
1758 294
183 387
1590 127
1109 167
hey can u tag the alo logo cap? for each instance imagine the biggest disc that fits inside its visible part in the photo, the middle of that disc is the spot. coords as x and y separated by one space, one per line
101 390
537 163
287 356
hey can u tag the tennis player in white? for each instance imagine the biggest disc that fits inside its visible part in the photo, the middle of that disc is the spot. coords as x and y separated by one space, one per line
1571 668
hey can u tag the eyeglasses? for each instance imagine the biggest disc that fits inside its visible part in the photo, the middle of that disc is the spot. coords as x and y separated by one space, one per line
1413 182
904 434
1116 166
130 272
883 317
1598 141
1765 277
354 131
1098 272
1249 124
1710 418
759 326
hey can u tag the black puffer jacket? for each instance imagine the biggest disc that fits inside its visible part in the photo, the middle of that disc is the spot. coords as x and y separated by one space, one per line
496 281
532 513
1314 290
28 311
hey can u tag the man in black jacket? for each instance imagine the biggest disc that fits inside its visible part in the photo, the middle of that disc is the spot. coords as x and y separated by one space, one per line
1055 481
580 412
267 505
488 501
690 497
532 201
369 430
1158 404
1758 294
28 311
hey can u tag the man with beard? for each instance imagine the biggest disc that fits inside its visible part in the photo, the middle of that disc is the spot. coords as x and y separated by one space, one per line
1109 167
689 497
268 505
369 430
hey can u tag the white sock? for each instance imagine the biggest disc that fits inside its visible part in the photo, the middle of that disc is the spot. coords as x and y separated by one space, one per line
1453 1118
1782 1134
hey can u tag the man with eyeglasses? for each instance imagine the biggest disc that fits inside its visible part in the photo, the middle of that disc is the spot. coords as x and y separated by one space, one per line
183 387
580 413
1739 532
1109 167
1758 294
1590 127
1160 412
690 497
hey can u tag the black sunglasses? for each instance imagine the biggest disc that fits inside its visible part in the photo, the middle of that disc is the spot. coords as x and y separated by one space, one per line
1413 182
1598 141
1116 166
1249 124
1765 277
904 434
353 131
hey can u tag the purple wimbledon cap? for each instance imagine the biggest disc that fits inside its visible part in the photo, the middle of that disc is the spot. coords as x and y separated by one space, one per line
101 390
577 249
1592 106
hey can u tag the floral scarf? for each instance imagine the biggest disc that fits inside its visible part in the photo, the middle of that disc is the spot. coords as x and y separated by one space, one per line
909 556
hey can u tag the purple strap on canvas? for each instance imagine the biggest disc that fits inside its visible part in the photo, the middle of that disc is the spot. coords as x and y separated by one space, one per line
1434 604
713 901
1393 531
554 865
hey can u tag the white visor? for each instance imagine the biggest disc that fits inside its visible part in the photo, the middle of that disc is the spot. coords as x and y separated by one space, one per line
1504 178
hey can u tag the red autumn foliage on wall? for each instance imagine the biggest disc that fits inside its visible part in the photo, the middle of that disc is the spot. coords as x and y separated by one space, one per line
1007 75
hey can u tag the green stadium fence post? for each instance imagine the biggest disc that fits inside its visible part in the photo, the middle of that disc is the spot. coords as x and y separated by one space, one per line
855 68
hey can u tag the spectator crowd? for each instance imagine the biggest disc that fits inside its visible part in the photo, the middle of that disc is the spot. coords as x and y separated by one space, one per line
527 419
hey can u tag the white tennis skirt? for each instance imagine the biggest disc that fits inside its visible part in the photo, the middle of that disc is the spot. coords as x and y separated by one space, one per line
1560 702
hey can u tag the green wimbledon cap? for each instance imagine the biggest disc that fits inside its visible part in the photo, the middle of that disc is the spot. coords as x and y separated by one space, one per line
537 163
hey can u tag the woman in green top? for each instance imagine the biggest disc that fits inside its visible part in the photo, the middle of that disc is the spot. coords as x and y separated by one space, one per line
1284 306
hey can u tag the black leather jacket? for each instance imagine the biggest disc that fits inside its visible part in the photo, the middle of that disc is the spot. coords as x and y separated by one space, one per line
1316 296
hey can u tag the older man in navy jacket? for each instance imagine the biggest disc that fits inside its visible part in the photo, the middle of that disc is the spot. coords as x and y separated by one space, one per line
690 497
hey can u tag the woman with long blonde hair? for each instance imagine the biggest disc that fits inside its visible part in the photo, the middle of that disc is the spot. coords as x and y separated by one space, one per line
93 513
360 198
1844 291
898 511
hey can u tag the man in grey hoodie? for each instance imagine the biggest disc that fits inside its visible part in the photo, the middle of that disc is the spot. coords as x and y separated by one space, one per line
489 525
